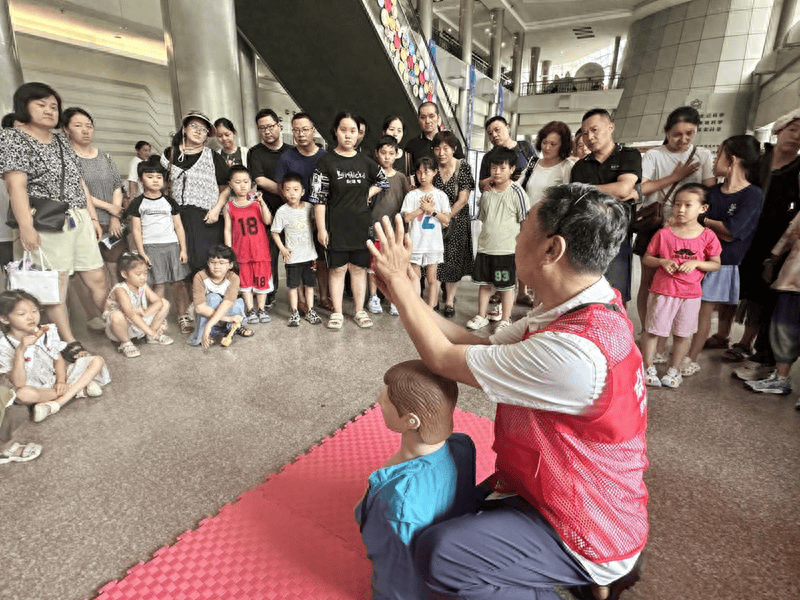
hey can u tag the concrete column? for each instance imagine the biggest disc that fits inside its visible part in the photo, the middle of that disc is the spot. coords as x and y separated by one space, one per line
536 53
546 70
780 21
517 69
497 39
203 55
425 8
465 30
617 42
10 69
248 133
513 125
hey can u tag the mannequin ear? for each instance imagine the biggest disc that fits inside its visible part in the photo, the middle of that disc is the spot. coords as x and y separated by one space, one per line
412 422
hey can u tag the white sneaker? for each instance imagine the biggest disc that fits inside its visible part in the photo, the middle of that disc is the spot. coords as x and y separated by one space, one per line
477 322
688 367
374 305
660 359
502 325
651 377
672 379
393 310
753 371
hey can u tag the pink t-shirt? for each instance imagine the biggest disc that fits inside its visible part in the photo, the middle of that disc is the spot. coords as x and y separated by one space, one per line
665 244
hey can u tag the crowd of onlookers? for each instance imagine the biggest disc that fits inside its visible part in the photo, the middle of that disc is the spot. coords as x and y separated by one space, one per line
206 227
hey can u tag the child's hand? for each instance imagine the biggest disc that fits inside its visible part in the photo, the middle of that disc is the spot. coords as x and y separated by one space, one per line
60 387
670 266
287 254
184 257
27 341
206 339
688 266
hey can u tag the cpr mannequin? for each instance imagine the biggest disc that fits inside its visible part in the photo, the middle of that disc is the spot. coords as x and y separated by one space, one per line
430 478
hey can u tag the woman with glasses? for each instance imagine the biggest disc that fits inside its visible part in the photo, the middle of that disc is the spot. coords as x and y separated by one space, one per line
198 182
229 149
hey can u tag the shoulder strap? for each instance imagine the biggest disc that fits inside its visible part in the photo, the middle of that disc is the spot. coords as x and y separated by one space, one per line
674 185
41 158
608 305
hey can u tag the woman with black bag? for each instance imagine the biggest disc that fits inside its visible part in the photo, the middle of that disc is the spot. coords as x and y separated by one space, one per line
41 171
664 169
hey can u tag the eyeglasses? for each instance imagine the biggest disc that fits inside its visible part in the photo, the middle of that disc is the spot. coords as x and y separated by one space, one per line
303 130
199 128
267 127
219 263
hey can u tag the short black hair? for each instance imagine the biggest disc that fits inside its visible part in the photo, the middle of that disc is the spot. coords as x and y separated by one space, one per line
141 144
292 176
266 112
445 137
502 156
496 118
151 165
70 112
224 252
596 111
128 261
237 169
303 115
427 162
8 120
28 92
387 140
428 103
592 223
226 123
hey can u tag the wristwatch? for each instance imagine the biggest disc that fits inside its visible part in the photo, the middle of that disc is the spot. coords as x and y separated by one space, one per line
434 213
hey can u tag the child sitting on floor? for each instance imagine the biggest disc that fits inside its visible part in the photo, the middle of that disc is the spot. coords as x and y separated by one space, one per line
214 292
431 477
293 219
246 218
12 416
133 310
30 357
683 252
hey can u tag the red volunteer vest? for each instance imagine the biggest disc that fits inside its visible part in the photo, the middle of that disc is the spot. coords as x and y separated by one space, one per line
584 473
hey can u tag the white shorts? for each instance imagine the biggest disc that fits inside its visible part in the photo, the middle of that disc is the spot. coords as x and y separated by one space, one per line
425 259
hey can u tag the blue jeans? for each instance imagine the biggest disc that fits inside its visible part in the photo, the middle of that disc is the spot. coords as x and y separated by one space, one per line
213 300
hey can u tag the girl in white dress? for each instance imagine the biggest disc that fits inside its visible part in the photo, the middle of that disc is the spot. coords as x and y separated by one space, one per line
30 359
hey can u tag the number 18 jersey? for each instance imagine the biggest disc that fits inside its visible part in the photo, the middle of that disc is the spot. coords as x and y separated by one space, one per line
248 233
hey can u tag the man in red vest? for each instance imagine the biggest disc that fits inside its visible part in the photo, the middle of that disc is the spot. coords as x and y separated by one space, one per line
567 505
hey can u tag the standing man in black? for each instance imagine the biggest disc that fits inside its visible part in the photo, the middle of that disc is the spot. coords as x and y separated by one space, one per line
262 162
615 170
430 123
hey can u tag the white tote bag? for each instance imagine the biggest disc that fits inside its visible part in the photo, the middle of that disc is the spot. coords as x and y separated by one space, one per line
41 282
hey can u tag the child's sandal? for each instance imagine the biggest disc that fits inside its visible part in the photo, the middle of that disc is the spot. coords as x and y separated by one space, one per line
129 350
44 409
245 332
160 339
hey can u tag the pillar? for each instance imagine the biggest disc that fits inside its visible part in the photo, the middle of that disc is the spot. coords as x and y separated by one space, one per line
10 68
516 71
203 55
546 70
617 42
780 21
536 53
465 34
425 8
497 39
248 133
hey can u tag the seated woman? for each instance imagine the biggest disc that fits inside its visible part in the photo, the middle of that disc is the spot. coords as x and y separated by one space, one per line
431 477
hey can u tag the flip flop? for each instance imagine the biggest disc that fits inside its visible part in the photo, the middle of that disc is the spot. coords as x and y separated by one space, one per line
19 453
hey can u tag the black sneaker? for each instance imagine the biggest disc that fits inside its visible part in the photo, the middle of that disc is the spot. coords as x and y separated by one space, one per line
270 299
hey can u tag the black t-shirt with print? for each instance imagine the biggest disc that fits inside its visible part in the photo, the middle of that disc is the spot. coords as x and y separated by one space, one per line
263 162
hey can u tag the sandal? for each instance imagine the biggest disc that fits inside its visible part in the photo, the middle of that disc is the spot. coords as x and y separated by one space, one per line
245 332
736 353
160 339
185 324
93 390
129 350
336 321
715 342
73 351
363 319
44 409
19 453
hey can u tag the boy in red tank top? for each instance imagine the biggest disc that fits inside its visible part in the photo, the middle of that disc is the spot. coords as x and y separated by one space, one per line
246 218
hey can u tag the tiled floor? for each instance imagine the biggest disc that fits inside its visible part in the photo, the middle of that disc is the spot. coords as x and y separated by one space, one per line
181 431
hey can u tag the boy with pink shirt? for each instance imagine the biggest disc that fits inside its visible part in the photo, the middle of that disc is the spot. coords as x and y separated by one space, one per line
683 252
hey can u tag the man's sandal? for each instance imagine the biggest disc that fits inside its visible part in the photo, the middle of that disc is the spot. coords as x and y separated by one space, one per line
19 453
44 409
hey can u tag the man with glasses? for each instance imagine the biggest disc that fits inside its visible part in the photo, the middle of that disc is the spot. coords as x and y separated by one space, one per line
429 123
567 504
262 162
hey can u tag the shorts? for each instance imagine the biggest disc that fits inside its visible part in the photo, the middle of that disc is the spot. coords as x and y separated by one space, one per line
6 253
301 274
165 263
666 314
722 286
358 258
134 333
498 271
70 250
784 329
426 259
255 277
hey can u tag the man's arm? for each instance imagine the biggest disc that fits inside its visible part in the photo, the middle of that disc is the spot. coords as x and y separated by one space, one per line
622 188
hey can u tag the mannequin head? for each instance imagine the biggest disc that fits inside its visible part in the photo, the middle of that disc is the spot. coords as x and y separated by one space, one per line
423 401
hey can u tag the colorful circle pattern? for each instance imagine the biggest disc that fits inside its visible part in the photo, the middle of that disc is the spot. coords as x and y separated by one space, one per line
412 64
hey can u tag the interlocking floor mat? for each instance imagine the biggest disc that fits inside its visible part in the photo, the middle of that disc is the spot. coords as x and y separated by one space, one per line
294 536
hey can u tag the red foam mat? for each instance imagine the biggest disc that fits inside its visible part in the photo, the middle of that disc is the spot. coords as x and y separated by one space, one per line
294 536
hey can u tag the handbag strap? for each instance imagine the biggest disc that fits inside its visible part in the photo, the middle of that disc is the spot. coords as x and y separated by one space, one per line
674 185
28 258
61 156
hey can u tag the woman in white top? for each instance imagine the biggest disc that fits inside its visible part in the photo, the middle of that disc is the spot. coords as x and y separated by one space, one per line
554 143
665 167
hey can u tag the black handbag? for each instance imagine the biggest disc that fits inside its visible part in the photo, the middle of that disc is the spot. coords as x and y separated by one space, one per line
48 214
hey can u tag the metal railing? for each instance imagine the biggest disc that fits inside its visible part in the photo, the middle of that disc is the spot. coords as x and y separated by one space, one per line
568 85
450 44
